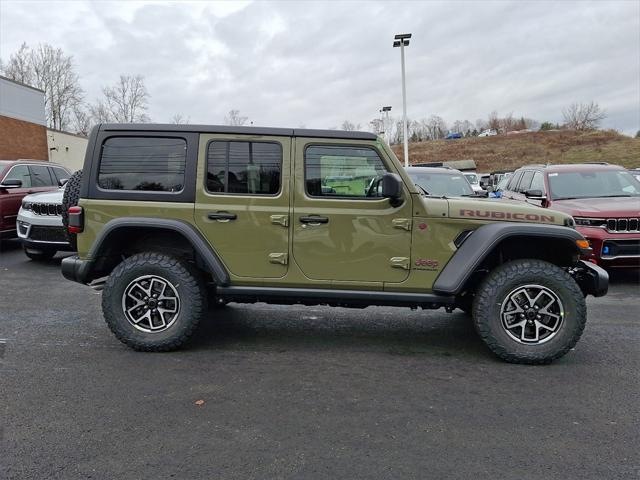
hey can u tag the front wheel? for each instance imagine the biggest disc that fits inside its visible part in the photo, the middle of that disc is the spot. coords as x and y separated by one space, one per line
154 302
529 311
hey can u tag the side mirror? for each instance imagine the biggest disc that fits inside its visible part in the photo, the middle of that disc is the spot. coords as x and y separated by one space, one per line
11 183
392 188
483 194
62 182
535 194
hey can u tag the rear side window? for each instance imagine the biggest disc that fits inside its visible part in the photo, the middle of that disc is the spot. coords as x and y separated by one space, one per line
40 176
511 186
250 168
155 164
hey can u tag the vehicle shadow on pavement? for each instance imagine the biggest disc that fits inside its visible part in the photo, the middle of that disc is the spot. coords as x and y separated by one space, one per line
390 331
625 276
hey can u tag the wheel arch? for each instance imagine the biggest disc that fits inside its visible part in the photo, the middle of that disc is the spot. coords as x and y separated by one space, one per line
125 236
496 243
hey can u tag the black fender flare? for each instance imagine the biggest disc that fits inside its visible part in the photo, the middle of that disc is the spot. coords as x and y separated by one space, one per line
481 242
189 232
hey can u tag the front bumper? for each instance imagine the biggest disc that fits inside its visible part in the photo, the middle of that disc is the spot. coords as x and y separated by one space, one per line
612 249
592 279
41 231
75 269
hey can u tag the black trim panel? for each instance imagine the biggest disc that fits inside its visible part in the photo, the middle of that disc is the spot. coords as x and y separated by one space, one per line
318 296
262 131
483 240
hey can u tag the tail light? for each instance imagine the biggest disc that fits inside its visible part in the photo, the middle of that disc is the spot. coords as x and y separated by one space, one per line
76 220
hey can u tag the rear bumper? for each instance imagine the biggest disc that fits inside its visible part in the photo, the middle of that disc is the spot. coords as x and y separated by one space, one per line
75 269
592 279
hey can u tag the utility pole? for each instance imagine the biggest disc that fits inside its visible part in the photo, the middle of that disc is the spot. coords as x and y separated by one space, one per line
402 40
385 113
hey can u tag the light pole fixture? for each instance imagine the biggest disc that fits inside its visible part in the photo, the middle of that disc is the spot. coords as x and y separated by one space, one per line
402 40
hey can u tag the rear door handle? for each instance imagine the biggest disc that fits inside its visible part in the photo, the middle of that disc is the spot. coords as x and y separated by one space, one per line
222 216
314 220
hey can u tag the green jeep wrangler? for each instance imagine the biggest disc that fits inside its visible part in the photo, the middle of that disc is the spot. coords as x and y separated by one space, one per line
170 218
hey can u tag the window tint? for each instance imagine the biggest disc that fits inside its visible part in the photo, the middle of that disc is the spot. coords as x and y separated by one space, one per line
60 173
244 167
593 184
40 176
526 181
511 186
20 172
143 163
538 182
334 171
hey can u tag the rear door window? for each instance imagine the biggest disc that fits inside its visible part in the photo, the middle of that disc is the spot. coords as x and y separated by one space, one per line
40 176
538 182
511 186
155 164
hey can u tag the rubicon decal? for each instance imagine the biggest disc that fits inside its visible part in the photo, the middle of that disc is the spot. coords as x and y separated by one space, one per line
530 217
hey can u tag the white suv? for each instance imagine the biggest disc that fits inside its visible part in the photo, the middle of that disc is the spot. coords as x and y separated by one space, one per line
39 225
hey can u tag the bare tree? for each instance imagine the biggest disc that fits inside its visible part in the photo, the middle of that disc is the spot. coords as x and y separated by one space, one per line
50 70
99 113
349 126
437 127
19 66
81 121
493 123
583 116
127 100
234 118
179 119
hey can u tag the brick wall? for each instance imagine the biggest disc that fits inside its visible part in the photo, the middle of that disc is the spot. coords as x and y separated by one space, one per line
20 139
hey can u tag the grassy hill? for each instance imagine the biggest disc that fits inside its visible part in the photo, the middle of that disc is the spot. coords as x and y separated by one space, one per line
513 151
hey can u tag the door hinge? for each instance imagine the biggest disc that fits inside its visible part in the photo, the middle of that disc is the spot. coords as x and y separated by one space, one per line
280 258
404 223
400 262
280 220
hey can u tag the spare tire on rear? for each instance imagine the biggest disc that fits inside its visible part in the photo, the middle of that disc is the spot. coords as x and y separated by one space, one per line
70 199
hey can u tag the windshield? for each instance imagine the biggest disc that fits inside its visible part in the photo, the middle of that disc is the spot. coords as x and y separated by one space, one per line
472 177
593 184
442 184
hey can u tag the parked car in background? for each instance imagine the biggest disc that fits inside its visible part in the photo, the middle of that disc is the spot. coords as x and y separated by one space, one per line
474 181
442 182
488 133
19 178
496 192
603 199
497 176
453 136
40 226
484 180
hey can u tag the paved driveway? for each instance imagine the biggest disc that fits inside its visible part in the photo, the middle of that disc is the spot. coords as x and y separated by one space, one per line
305 393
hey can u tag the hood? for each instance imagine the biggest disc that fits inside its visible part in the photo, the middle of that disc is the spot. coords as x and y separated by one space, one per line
54 196
494 210
600 207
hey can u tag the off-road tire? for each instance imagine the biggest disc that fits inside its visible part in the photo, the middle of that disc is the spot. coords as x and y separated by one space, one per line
39 255
70 199
495 289
188 284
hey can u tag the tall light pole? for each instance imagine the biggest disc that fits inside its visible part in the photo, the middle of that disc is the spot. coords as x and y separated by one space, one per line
402 40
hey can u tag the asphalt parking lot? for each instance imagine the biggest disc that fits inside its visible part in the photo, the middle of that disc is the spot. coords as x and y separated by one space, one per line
306 392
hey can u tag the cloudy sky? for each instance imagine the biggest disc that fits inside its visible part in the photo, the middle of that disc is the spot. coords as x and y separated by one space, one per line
319 63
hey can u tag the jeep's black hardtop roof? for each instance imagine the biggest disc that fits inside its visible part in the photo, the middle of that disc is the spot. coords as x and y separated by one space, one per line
282 132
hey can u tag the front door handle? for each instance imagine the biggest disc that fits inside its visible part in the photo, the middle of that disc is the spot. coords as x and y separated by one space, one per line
222 216
314 220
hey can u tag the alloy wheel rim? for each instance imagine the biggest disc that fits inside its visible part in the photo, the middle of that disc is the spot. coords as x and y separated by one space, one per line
532 314
151 303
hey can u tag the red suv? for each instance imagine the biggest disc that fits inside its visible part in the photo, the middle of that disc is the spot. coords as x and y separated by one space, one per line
603 199
22 177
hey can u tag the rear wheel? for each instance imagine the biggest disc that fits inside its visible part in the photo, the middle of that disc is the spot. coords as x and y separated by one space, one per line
529 311
154 302
38 254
